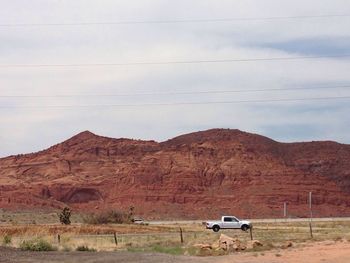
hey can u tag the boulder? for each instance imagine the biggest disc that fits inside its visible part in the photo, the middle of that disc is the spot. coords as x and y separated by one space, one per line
230 244
254 244
287 244
203 246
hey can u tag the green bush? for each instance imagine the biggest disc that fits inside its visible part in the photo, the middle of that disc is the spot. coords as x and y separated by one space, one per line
37 245
7 240
108 217
85 248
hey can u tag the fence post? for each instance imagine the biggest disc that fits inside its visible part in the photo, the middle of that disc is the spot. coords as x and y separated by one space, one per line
181 236
115 239
251 232
310 207
312 236
59 238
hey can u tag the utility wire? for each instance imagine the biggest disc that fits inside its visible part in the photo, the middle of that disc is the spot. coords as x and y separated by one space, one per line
148 63
177 103
174 93
180 21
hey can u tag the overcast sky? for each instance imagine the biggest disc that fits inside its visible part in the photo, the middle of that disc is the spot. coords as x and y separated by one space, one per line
29 124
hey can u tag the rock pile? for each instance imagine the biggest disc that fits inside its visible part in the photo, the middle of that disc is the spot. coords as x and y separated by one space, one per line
226 243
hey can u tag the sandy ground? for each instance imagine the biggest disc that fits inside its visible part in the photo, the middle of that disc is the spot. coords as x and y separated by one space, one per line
325 252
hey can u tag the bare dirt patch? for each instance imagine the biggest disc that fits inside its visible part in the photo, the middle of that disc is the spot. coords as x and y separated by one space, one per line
326 251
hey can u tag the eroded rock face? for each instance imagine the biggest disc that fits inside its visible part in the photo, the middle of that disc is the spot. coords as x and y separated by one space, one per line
198 175
81 195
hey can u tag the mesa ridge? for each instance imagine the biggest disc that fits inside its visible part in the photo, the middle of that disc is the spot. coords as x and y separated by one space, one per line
198 175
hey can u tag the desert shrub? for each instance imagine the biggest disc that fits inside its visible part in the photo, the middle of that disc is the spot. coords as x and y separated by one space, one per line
66 249
108 217
7 240
37 245
64 216
131 213
85 248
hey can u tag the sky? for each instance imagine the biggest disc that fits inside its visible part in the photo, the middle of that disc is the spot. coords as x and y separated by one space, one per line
42 106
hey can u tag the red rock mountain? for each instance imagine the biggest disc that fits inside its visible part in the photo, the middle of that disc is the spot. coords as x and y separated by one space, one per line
198 175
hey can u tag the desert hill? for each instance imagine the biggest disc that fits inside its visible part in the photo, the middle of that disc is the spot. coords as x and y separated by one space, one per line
198 175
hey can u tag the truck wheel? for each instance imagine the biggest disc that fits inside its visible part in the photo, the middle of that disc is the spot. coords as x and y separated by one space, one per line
244 227
216 228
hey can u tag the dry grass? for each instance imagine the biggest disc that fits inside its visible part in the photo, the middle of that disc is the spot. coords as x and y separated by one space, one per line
167 238
80 229
36 217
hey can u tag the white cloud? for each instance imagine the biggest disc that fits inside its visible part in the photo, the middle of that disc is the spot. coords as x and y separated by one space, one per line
28 129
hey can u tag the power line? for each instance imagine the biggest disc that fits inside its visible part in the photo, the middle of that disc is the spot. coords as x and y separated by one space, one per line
148 63
180 21
174 93
176 103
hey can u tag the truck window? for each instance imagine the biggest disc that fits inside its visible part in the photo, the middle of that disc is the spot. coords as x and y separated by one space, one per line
228 219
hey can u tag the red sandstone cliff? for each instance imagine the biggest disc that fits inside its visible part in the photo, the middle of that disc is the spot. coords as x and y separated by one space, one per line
198 175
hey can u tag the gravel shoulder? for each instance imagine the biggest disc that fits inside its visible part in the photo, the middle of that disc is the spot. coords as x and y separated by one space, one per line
327 251
14 255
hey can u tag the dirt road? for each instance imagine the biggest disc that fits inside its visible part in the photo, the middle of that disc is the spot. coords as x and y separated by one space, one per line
328 251
11 255
325 252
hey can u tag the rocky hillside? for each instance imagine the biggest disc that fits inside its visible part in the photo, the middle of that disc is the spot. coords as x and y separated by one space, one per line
198 175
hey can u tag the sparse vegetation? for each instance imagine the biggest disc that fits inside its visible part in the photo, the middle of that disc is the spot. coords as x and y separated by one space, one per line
37 245
172 250
7 240
131 213
75 229
85 248
109 217
166 238
176 250
66 249
65 216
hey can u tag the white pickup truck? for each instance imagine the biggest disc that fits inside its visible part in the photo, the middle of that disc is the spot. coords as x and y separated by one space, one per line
228 222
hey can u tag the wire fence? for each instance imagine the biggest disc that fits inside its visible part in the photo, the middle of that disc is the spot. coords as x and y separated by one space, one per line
268 232
264 232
